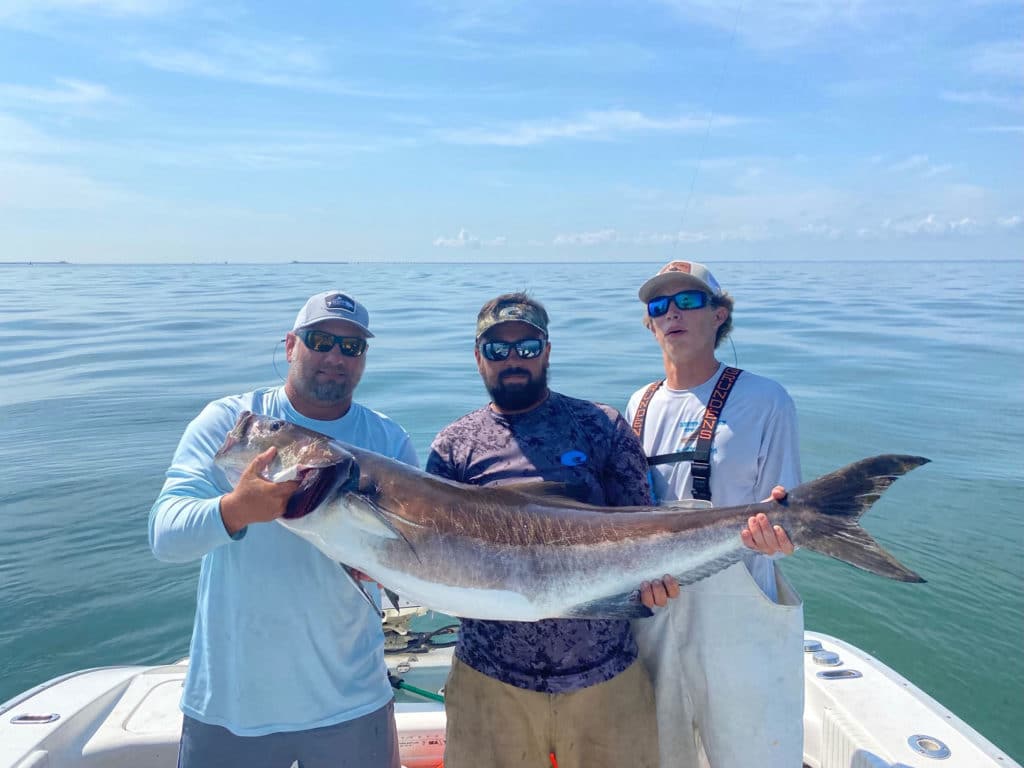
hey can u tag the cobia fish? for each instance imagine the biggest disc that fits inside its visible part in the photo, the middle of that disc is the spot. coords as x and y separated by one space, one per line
522 554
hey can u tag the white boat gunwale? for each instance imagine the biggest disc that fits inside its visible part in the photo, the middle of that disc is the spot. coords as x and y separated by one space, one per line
128 715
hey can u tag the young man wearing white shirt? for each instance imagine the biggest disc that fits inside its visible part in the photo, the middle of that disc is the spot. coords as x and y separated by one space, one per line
726 657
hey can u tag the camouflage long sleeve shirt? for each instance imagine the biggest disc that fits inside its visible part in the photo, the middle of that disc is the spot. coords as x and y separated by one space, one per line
591 449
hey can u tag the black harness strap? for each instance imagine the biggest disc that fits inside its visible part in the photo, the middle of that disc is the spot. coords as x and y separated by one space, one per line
700 468
670 458
700 456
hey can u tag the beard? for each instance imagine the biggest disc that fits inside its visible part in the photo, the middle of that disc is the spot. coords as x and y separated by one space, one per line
303 377
518 396
328 391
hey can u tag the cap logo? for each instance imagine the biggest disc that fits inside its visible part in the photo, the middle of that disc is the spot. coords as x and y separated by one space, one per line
513 312
342 302
676 266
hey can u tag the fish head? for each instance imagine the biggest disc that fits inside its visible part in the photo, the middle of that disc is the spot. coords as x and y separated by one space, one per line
321 464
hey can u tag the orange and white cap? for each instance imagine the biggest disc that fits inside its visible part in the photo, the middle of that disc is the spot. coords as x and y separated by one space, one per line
677 276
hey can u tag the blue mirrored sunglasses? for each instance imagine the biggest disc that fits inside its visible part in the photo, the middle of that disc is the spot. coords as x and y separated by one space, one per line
527 349
321 341
692 299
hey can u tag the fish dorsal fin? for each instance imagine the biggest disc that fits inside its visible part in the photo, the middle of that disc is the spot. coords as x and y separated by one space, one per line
542 488
683 505
571 495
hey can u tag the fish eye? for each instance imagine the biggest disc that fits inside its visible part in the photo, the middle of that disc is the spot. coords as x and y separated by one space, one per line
276 425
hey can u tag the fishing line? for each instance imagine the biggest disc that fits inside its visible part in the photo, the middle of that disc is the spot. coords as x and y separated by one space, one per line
274 359
707 128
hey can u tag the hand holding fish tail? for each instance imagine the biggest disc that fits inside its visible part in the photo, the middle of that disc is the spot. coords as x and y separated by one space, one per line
762 536
659 592
255 500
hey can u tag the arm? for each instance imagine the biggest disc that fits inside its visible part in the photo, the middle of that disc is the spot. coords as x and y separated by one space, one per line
778 463
440 461
624 475
197 510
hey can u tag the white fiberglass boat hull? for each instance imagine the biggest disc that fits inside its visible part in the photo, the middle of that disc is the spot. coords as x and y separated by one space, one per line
860 714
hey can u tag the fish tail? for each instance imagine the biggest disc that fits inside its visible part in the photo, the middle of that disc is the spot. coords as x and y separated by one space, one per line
839 499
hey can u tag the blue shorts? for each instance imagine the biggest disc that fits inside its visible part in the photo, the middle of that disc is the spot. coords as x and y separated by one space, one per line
370 741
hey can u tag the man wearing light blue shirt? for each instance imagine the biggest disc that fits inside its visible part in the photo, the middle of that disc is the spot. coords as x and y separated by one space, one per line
287 657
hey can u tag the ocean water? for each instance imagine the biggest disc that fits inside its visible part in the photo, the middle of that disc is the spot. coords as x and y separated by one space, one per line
102 367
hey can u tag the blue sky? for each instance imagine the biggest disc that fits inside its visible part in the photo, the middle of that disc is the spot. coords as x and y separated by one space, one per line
172 130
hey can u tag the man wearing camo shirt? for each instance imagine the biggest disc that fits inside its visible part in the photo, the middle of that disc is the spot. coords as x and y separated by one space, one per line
565 690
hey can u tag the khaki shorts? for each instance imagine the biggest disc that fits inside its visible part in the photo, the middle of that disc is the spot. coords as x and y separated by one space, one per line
495 725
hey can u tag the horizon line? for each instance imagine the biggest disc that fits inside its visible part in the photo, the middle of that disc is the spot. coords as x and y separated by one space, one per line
66 263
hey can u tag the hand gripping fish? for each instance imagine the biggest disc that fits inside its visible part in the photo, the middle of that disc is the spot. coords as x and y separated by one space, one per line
511 554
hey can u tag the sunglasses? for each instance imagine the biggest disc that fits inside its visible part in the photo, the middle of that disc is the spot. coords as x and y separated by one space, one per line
527 349
321 341
658 306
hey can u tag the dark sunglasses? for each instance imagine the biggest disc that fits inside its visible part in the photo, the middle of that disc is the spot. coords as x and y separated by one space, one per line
321 341
658 306
527 349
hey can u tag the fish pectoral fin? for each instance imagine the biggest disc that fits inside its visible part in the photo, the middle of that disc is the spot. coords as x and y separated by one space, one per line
624 606
378 522
375 523
358 584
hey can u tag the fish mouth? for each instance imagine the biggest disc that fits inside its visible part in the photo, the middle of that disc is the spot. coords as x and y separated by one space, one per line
318 483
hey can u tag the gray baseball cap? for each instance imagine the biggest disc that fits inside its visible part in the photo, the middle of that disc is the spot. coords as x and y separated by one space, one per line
333 305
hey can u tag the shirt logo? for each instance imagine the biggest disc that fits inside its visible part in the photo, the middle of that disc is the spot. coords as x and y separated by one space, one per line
573 458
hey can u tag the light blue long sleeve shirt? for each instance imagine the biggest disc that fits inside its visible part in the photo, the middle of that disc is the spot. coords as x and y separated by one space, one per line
283 641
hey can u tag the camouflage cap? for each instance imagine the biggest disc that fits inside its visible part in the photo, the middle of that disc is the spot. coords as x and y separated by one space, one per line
511 308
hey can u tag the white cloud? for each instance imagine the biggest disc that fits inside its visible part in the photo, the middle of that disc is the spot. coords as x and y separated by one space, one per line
294 64
824 229
788 23
1003 59
920 165
599 237
269 152
827 231
466 239
21 10
985 99
669 238
69 92
43 186
595 126
19 138
931 225
912 163
1003 129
